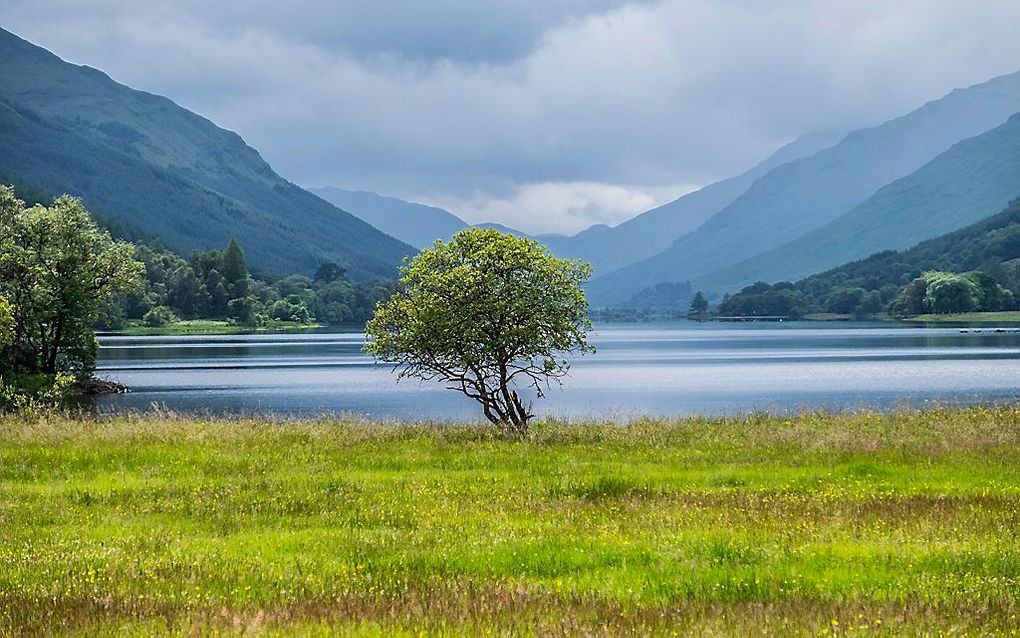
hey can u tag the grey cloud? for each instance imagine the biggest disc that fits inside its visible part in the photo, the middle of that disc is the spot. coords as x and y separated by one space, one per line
464 31
499 105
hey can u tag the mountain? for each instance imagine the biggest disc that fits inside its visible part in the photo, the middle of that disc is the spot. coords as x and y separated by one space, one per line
142 160
603 246
991 245
800 196
954 190
611 248
505 229
415 224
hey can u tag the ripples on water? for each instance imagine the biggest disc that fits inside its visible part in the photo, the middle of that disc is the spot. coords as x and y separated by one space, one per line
653 369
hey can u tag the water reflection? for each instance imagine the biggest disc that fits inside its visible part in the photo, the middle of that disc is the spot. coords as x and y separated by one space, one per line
657 369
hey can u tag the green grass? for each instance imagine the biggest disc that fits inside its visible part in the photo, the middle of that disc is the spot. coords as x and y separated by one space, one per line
213 327
1006 316
900 524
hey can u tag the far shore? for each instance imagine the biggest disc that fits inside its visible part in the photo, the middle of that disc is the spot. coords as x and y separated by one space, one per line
208 327
198 327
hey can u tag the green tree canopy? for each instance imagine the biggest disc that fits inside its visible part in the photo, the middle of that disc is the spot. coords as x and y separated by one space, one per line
991 295
6 325
949 293
58 268
763 299
487 314
946 292
911 300
329 272
844 299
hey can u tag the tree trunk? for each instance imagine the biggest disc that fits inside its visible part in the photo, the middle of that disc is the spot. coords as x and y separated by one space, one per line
519 406
517 416
496 418
54 350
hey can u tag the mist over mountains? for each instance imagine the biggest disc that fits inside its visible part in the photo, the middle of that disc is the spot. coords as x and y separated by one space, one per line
415 224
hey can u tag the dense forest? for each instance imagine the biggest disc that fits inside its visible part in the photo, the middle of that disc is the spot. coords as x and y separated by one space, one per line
63 276
217 284
975 268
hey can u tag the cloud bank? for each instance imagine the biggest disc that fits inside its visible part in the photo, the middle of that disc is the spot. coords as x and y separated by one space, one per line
545 114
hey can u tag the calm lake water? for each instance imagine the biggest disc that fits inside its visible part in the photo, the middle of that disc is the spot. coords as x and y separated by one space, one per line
675 368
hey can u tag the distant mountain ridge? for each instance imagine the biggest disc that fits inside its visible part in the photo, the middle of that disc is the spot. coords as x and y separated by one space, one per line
805 194
611 248
603 246
419 225
140 158
506 229
956 189
416 224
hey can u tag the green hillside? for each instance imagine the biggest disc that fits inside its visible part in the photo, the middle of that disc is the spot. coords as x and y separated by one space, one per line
141 159
804 195
957 188
991 246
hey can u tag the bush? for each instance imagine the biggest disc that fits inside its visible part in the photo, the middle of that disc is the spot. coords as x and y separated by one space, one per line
290 309
30 393
159 317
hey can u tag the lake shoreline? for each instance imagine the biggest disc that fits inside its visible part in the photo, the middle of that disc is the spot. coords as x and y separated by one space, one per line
638 370
211 327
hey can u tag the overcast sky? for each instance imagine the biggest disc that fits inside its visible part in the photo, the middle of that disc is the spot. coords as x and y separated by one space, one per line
547 115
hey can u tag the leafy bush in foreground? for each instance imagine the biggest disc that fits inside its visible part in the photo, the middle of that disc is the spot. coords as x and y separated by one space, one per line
28 394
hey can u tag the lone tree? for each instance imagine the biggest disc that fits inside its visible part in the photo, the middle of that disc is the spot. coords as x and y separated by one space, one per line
487 314
57 269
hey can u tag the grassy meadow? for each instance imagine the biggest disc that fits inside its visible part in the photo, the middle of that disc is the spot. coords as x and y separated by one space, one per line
819 524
